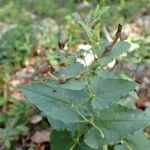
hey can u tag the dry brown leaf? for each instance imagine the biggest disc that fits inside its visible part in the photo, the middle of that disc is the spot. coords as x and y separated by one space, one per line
41 136
35 119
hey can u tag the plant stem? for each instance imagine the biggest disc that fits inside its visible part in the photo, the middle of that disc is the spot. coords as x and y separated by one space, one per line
127 145
76 140
73 146
105 147
89 88
92 123
100 131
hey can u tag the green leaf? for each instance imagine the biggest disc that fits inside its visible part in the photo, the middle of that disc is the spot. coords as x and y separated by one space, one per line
99 12
55 102
115 122
118 49
137 141
106 73
72 70
96 33
71 84
100 48
61 126
84 25
108 90
56 124
61 140
83 146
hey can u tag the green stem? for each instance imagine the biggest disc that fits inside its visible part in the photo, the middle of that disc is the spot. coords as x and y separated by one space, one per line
89 88
92 123
99 130
127 145
76 140
105 147
73 146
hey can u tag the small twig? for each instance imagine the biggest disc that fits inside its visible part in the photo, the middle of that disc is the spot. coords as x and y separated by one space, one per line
117 36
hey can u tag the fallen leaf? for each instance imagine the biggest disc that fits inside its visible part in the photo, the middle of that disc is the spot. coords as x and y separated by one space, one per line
41 136
35 119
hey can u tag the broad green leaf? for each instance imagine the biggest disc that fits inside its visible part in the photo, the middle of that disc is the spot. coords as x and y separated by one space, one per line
106 73
137 141
61 126
115 122
83 146
61 140
109 90
71 127
118 49
55 102
56 124
72 70
71 84
129 100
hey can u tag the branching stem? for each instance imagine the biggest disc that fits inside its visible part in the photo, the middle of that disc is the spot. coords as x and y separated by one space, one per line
90 122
